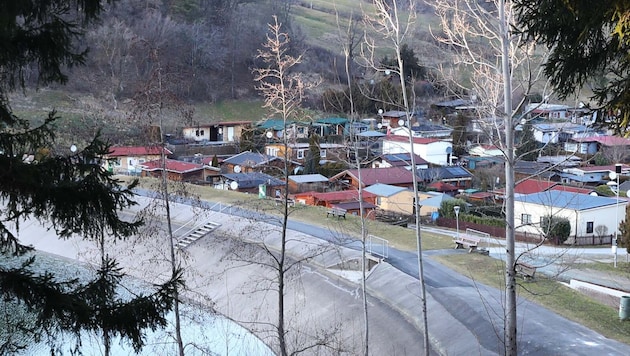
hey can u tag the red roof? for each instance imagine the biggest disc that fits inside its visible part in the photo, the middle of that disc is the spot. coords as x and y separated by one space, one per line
612 141
610 168
340 196
530 186
173 166
370 176
481 195
120 151
417 140
442 187
567 188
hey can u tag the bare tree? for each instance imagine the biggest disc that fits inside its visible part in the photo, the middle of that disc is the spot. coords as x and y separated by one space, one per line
349 39
388 23
283 92
499 66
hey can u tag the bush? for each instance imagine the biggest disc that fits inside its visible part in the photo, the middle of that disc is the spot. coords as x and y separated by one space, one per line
555 228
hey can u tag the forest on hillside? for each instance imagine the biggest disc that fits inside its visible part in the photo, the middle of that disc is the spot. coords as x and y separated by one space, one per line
203 50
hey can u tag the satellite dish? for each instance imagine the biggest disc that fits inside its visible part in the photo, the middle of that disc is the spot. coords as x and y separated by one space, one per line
593 194
628 193
612 175
269 134
380 111
234 185
401 122
237 169
279 134
380 126
73 148
449 150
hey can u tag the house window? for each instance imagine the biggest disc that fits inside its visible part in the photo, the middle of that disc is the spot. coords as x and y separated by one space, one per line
589 227
322 153
202 133
526 219
300 154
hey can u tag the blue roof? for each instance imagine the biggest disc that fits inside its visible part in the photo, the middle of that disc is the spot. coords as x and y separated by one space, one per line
384 190
566 200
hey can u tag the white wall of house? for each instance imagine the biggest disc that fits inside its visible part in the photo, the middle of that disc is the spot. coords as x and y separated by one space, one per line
581 147
583 222
546 136
200 133
434 152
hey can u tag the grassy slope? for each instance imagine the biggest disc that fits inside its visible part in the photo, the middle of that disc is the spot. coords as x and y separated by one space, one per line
548 293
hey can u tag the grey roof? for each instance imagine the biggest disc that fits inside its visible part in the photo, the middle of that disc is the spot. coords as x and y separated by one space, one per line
308 178
384 190
402 159
372 134
566 200
452 172
252 179
249 159
435 201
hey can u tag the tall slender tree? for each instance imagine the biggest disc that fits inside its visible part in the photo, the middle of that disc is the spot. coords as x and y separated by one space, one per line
389 23
283 92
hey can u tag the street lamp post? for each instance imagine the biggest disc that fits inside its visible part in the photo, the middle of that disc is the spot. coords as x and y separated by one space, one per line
615 175
456 208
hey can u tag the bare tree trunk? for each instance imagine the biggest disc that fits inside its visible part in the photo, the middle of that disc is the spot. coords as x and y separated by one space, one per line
283 94
394 29
348 46
167 207
510 272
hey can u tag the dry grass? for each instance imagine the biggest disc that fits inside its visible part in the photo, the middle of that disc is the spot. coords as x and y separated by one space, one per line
546 292
398 237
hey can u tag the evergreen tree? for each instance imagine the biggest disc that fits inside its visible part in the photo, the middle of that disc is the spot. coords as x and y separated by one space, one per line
313 157
459 136
588 41
527 148
72 193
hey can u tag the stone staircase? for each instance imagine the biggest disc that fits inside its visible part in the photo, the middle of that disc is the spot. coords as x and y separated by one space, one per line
196 233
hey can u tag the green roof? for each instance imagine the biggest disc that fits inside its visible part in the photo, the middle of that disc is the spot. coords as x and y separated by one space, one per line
333 120
273 124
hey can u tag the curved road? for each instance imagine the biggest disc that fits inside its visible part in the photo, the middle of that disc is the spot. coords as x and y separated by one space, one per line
455 302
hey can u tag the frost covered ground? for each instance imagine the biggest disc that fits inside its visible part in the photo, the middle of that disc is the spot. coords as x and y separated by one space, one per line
204 332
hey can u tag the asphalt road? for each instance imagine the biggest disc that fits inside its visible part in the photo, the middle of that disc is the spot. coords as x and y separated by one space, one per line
457 302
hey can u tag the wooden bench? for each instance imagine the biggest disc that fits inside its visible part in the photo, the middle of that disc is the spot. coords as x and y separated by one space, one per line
525 270
340 213
467 241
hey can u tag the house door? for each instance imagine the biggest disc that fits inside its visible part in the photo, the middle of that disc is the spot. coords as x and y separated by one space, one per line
230 134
